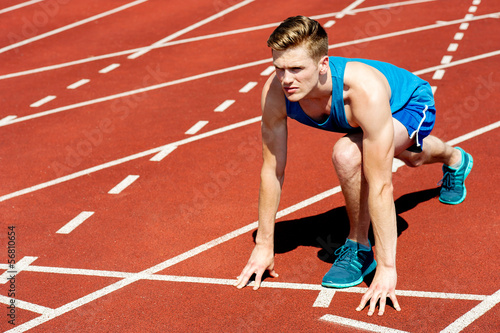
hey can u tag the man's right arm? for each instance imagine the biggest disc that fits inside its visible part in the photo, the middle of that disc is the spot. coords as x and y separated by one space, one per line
274 151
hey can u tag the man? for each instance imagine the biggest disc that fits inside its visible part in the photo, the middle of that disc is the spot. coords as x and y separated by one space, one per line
386 112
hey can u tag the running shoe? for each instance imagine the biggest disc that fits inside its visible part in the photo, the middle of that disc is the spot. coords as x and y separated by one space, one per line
354 261
453 189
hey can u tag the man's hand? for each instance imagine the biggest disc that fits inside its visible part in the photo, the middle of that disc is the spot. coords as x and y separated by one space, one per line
261 260
383 286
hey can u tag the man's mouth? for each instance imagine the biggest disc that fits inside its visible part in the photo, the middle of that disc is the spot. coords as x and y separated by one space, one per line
290 90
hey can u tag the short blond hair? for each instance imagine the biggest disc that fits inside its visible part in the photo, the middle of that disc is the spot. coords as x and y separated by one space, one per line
300 30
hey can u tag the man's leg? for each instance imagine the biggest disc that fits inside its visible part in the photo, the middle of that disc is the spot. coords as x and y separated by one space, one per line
355 258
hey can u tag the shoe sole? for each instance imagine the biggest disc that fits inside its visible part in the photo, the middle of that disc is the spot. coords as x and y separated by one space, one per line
370 269
467 171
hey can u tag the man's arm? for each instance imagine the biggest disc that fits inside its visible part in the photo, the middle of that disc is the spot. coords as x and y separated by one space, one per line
274 151
368 98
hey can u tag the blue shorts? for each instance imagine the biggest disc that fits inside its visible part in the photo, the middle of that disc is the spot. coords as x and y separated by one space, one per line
419 120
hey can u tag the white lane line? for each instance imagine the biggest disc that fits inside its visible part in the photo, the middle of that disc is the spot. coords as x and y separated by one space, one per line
476 312
223 107
265 284
469 16
472 9
137 91
75 222
123 184
446 59
7 119
268 71
128 159
177 143
434 89
232 32
464 26
196 127
70 26
42 101
190 28
359 324
78 84
109 68
25 305
18 267
162 154
329 24
24 4
438 75
458 36
452 47
349 8
476 2
249 86
324 298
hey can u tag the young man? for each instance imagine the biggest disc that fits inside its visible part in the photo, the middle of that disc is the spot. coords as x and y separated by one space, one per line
386 112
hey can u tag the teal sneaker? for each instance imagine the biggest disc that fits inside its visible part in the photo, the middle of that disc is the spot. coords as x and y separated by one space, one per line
354 261
453 189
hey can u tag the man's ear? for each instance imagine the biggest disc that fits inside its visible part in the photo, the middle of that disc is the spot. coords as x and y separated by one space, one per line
323 65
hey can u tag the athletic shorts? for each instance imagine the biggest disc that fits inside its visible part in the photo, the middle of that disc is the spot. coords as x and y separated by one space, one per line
419 120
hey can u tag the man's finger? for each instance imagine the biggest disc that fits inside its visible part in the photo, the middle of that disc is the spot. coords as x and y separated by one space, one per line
373 304
381 309
395 301
258 279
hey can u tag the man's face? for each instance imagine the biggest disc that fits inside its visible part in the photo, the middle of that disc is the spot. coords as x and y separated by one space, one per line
297 71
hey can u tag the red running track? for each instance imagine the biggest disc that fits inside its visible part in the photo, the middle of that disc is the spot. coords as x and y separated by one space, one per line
162 253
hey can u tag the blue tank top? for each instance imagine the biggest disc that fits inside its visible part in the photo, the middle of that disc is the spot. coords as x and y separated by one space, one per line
405 86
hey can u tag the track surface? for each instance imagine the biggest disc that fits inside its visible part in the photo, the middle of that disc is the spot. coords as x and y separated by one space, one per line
160 112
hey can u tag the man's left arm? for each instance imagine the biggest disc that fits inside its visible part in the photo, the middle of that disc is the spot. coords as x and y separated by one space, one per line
368 97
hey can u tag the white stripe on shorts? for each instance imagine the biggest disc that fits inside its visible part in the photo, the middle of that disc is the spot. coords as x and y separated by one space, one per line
415 133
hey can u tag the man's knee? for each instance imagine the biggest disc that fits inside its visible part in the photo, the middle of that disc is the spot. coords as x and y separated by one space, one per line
346 154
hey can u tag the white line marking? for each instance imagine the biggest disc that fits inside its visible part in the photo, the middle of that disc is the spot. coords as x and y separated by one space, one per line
162 154
137 91
177 143
268 71
434 89
476 312
329 24
7 119
78 84
324 298
25 305
458 62
472 9
359 324
452 47
458 36
190 28
128 159
196 127
476 2
469 16
123 184
438 75
19 266
274 285
69 26
446 59
24 4
232 32
349 8
109 68
464 26
75 222
249 86
223 107
42 101
473 134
